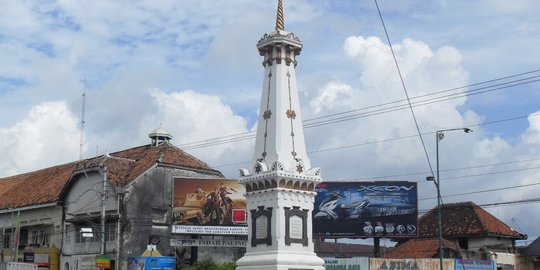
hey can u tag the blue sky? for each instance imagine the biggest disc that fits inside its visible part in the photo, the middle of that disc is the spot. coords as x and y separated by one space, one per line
192 67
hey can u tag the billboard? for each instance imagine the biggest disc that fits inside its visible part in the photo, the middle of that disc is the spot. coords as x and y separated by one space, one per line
209 206
366 209
462 264
152 263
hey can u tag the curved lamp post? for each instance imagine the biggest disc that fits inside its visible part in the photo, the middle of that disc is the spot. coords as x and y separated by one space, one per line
439 135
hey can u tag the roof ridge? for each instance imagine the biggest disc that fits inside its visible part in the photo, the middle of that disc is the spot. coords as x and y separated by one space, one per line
71 162
190 155
480 211
38 170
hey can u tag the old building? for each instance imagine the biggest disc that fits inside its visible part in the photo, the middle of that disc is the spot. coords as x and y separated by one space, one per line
529 256
114 204
468 231
31 200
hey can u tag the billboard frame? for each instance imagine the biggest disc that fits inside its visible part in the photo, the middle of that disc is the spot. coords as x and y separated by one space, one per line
208 206
366 209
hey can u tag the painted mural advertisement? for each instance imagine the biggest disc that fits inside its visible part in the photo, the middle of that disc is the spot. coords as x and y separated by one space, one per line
209 206
366 209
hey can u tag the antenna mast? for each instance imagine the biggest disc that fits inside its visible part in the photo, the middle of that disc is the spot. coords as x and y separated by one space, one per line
82 120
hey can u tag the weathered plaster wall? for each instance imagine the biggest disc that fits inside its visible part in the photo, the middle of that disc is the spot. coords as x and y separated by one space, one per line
146 213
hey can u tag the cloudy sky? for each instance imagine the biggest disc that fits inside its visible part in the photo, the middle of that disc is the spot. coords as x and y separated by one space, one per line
193 68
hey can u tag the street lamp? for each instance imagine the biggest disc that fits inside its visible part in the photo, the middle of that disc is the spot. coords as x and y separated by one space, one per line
439 135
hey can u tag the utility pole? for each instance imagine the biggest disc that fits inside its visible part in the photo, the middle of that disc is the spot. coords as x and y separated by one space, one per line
103 249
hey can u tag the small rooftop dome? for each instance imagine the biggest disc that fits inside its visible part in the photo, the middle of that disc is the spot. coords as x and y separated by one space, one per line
159 136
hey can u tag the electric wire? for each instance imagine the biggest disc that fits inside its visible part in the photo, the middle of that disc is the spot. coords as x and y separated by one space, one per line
405 90
481 191
376 110
496 204
390 139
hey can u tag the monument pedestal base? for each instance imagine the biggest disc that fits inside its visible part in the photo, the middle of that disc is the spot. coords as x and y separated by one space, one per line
274 260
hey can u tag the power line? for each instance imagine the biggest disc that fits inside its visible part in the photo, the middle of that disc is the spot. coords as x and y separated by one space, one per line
454 169
405 90
482 191
392 139
497 204
376 110
414 104
523 80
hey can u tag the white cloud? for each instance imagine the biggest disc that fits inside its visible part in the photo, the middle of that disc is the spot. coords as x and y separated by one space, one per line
532 135
425 71
124 49
333 95
47 136
192 117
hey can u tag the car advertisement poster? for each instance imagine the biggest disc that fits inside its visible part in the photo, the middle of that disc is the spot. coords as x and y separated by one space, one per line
366 209
218 205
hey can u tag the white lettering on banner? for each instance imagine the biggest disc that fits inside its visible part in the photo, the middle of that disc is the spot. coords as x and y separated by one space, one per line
216 230
207 243
374 188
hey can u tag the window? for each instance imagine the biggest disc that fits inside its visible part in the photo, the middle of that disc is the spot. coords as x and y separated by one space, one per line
463 243
35 238
78 235
7 240
110 230
110 233
23 240
44 238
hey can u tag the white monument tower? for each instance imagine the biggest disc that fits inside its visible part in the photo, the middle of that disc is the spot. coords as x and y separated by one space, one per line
280 182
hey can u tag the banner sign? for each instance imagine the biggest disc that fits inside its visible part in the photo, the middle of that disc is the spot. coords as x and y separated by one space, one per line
208 203
366 209
355 263
28 257
207 243
152 263
409 264
209 230
462 264
103 261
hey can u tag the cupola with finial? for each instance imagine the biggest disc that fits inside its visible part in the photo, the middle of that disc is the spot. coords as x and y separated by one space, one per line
159 136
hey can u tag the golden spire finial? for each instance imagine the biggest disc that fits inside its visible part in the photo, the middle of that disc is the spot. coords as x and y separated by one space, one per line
280 22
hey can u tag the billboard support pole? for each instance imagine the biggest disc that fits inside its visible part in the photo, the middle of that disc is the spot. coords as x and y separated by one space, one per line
194 251
376 246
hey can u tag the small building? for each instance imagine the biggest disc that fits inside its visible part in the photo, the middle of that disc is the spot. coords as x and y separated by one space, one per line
469 232
529 256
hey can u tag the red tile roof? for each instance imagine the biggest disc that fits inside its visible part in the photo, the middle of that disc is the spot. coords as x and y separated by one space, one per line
465 219
420 248
45 185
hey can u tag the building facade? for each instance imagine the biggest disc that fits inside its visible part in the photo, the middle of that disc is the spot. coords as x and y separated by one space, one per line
116 204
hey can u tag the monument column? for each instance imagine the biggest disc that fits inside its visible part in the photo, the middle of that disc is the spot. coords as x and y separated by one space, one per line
280 181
